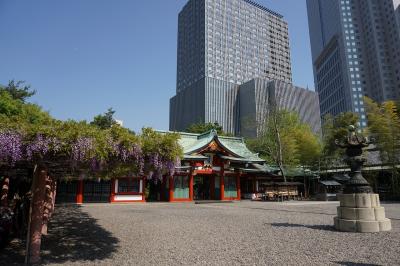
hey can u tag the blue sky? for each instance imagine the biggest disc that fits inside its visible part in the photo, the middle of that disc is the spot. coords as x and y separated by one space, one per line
83 57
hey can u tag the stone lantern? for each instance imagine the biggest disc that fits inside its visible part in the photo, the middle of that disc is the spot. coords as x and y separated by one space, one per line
359 209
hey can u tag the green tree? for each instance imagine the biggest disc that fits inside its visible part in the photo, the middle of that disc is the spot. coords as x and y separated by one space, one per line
104 121
286 142
335 128
384 126
309 146
204 127
31 139
18 90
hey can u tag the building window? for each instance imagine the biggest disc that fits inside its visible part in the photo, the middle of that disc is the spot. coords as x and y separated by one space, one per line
128 185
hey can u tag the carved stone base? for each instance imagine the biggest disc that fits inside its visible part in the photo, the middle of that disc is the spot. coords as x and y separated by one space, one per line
362 213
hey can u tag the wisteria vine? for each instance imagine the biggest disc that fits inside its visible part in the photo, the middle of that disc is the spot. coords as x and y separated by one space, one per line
15 147
10 147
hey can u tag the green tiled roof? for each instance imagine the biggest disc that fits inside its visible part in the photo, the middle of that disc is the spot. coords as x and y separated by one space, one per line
192 143
234 146
238 152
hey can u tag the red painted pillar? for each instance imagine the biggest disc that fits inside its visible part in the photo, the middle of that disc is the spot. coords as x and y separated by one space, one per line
254 185
222 184
79 193
191 186
112 190
238 186
171 188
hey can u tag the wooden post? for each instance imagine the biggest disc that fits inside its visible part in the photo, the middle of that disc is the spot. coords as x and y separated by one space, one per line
36 220
54 194
171 188
254 184
4 192
79 194
191 186
47 205
238 186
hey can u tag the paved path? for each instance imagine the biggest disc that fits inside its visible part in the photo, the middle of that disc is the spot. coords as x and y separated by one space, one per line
244 233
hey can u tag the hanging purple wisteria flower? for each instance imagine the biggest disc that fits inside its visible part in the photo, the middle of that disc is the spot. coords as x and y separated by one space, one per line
39 146
96 165
114 147
170 167
141 165
81 148
10 147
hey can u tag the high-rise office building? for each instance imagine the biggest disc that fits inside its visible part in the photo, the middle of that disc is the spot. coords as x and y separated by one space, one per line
222 44
398 16
355 51
258 97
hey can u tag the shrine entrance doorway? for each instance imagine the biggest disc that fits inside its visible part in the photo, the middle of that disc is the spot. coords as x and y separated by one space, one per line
202 187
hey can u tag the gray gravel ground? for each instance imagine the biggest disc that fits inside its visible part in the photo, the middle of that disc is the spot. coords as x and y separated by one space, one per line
243 233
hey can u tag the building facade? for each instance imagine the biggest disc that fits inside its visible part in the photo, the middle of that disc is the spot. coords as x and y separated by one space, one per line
222 44
355 49
212 168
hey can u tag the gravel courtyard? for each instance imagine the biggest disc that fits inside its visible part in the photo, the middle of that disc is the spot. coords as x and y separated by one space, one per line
242 233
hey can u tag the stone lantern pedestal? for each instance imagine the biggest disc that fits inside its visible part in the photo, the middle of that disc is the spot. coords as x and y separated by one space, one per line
360 209
361 212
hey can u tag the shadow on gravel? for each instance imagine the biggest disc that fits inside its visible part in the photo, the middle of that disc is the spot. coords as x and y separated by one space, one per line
75 236
348 263
13 253
315 227
72 236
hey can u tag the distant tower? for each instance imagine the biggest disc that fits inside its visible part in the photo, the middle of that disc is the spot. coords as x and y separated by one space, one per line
222 44
355 47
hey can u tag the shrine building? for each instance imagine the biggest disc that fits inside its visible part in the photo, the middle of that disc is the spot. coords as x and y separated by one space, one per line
212 168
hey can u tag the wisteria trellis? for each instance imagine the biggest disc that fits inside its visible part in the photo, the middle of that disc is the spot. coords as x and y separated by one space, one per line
15 147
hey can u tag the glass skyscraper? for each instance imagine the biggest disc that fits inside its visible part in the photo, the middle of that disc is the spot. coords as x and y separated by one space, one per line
355 48
222 44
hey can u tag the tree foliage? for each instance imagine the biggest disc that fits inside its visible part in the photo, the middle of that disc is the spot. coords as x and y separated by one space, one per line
204 127
18 91
30 136
384 126
286 142
336 128
104 121
31 139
